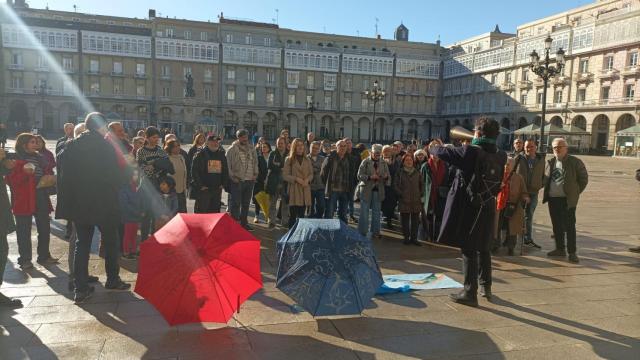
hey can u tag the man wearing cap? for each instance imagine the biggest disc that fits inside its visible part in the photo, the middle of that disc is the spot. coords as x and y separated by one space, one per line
243 171
209 175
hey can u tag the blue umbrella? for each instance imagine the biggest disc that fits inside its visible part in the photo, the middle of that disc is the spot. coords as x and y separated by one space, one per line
327 267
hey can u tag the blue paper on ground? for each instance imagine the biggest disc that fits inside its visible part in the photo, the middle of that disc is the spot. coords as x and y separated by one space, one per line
426 281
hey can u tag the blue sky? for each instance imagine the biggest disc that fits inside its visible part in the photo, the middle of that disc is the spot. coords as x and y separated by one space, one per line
452 20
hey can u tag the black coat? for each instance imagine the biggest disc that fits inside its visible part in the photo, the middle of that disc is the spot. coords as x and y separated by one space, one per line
7 224
91 180
274 171
200 176
262 174
459 214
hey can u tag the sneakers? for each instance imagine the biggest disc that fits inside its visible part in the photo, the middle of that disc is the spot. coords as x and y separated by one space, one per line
256 220
464 299
573 258
272 225
557 252
532 244
82 296
117 285
26 265
48 261
90 280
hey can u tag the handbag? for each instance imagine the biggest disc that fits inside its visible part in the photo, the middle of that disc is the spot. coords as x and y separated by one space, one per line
509 210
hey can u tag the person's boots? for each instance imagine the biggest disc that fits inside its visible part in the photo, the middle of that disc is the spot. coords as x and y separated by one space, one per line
464 298
485 291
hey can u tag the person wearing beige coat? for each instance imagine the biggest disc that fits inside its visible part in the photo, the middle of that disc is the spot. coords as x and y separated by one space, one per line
518 195
298 173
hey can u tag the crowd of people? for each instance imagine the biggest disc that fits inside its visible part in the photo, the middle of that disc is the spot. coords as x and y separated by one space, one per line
473 196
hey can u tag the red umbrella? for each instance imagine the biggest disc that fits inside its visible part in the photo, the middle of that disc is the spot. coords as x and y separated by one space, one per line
199 268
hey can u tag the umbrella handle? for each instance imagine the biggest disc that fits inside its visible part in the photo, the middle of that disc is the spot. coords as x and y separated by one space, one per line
238 307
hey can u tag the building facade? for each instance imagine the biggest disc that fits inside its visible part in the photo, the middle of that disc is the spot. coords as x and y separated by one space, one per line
596 91
244 75
264 78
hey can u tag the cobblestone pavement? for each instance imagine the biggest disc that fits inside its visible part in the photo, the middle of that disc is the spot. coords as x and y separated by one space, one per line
543 308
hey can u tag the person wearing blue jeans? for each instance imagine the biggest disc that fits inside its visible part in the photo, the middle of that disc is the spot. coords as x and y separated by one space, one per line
336 177
373 175
317 187
242 161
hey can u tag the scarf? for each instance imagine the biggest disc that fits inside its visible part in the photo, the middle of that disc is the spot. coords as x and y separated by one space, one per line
483 140
503 195
409 170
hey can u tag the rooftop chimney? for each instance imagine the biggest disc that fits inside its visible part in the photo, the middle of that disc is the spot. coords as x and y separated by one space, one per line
152 13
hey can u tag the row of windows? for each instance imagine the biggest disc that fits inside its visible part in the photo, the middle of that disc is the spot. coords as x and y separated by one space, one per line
251 55
13 36
186 50
116 45
357 64
311 61
411 68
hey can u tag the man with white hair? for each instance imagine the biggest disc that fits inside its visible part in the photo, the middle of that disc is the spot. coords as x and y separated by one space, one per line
335 174
373 176
566 178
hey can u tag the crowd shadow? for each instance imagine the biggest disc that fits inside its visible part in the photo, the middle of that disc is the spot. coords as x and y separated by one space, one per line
16 340
606 344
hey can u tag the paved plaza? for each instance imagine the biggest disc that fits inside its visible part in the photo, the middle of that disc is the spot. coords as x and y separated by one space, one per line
542 309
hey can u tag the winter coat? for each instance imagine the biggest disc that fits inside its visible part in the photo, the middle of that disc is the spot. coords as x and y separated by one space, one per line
262 174
534 177
409 188
169 204
208 169
274 171
180 172
49 161
576 179
91 180
517 193
459 215
327 172
131 204
23 190
7 224
236 171
365 185
316 183
298 195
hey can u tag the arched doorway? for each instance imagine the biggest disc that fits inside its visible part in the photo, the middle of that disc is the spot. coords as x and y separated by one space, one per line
231 124
269 125
625 121
250 123
325 124
378 130
600 132
556 121
427 129
398 129
505 123
292 119
347 125
537 120
522 122
44 116
412 131
19 116
337 129
579 121
361 132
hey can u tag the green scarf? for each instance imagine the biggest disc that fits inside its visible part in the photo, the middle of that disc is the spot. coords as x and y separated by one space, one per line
483 140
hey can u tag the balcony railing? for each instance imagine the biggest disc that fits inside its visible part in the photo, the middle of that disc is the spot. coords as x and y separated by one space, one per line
207 79
608 73
631 70
141 76
117 73
507 86
16 67
165 77
583 76
41 69
560 80
524 84
93 72
538 82
627 101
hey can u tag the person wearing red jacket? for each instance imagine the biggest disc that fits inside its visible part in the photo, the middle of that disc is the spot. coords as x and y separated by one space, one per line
29 201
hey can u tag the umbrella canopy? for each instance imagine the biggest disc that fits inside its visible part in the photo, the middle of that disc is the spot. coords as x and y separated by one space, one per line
199 268
528 130
533 129
263 199
327 267
634 130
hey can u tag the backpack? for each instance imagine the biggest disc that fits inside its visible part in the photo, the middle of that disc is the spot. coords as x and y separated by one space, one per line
486 181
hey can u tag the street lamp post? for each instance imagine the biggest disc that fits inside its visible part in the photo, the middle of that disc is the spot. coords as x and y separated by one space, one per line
374 95
311 106
42 90
546 71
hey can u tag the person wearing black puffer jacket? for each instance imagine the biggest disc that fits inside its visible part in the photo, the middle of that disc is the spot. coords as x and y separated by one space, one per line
209 175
